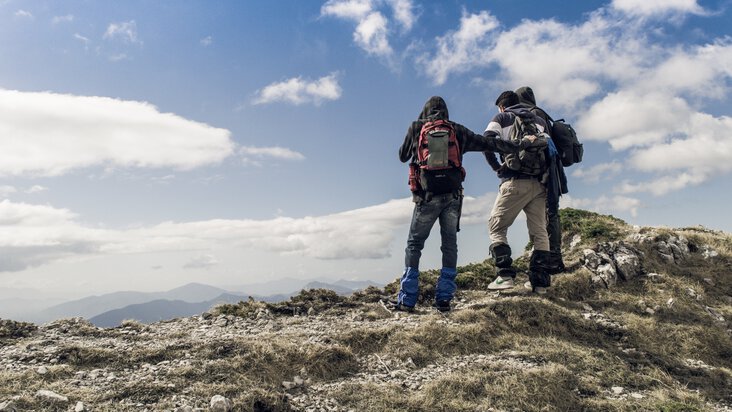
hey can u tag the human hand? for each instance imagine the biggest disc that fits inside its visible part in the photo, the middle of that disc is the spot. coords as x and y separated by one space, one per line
527 141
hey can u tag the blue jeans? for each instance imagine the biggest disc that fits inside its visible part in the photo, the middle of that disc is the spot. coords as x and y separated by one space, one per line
446 208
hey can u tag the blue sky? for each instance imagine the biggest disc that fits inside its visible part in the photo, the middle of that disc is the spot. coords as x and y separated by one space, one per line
145 145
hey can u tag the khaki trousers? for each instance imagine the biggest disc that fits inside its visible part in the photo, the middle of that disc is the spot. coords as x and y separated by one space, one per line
514 196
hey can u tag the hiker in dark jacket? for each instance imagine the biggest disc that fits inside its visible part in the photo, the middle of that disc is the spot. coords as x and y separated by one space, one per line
429 207
556 185
519 191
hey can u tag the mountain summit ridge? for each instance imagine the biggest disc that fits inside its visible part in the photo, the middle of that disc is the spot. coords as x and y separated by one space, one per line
641 321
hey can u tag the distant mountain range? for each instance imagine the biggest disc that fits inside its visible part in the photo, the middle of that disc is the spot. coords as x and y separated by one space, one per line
111 309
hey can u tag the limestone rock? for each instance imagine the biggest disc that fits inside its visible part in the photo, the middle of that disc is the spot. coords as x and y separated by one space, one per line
221 404
51 396
8 406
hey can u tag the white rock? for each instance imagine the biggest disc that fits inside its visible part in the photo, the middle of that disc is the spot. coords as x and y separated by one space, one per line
617 390
79 407
51 396
221 404
576 239
8 406
42 370
636 395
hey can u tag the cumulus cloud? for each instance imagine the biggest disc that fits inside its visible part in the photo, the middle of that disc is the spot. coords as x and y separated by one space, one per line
372 25
663 184
460 50
299 91
49 134
616 84
657 7
33 235
603 204
404 13
123 31
597 172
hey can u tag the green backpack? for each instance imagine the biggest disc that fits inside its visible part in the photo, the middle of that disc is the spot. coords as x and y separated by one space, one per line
532 159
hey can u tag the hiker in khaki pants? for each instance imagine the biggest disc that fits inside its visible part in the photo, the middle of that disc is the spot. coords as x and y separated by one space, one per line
521 189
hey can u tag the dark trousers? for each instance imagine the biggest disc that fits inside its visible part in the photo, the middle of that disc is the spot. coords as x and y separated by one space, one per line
446 209
553 225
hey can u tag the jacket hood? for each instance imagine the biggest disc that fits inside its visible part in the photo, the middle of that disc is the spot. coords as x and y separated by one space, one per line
526 95
435 108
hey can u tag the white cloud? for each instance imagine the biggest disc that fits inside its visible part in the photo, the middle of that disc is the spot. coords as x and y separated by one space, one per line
62 19
201 262
371 35
663 184
24 14
614 83
636 119
657 7
259 155
207 41
372 24
404 13
459 51
36 189
123 31
347 9
34 235
594 174
49 134
603 204
300 91
82 39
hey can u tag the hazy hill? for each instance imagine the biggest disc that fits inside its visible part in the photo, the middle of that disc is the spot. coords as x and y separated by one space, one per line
94 305
160 309
164 309
640 322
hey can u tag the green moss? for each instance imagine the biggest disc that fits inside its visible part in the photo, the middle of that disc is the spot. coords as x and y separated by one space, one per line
591 225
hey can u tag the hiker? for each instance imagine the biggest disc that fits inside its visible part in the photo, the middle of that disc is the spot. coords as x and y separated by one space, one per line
556 185
434 145
522 188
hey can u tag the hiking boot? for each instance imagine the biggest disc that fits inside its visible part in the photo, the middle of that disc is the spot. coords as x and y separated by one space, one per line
538 289
501 283
399 307
442 305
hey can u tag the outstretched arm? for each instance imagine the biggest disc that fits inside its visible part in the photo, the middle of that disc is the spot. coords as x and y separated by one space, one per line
489 142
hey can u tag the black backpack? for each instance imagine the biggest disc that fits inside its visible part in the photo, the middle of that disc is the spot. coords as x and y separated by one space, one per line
564 138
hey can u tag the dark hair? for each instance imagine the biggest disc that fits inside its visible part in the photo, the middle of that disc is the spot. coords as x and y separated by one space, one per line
507 99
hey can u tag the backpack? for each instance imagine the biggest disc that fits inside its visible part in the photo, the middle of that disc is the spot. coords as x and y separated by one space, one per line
564 137
530 160
438 158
